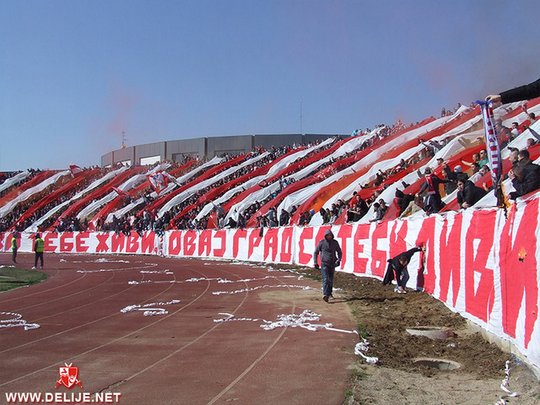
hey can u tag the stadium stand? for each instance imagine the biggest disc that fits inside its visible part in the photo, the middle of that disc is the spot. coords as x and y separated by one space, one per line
372 175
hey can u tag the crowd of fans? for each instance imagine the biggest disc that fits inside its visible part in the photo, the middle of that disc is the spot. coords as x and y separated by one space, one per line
463 179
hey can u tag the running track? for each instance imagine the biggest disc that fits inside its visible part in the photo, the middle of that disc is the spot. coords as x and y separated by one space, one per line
183 357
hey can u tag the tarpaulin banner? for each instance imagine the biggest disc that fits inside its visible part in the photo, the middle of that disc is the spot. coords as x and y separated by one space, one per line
478 262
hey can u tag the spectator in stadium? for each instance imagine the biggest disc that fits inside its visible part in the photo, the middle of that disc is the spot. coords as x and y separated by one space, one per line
272 217
378 211
451 176
220 214
284 217
413 207
513 158
324 215
525 175
38 249
475 159
241 223
476 176
432 202
525 92
304 218
483 158
357 209
403 200
515 129
14 246
468 194
331 254
398 266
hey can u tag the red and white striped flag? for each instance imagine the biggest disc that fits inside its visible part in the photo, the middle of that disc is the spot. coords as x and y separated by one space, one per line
75 169
120 192
158 181
493 149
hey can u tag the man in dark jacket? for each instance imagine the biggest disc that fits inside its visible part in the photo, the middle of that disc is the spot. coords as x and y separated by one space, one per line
330 252
398 264
468 194
525 92
284 218
525 175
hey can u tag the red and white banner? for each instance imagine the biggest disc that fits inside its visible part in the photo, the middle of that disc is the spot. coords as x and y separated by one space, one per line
477 262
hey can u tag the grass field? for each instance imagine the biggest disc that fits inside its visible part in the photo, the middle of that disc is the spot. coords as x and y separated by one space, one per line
13 277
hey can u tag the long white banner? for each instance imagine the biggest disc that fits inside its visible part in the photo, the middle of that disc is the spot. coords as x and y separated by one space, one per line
478 262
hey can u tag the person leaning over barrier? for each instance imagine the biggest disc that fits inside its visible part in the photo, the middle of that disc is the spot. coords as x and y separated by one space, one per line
330 252
398 264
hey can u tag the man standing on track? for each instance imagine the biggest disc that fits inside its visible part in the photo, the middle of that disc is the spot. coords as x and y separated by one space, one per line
330 259
38 249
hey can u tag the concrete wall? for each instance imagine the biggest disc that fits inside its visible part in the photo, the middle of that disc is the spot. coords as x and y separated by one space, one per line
148 150
191 147
205 147
267 141
316 137
228 144
107 159
121 155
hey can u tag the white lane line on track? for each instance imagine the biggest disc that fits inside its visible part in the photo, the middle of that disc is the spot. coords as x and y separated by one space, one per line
62 297
79 326
158 320
252 365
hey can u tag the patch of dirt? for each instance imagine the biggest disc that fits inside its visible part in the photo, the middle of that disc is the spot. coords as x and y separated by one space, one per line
383 316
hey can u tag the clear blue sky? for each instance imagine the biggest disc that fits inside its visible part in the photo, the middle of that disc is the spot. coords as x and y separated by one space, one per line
75 74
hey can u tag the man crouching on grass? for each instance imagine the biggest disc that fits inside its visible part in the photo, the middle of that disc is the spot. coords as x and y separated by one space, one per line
330 259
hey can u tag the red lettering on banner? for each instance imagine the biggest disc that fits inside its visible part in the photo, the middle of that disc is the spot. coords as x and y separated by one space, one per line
189 243
344 233
426 237
271 243
285 254
303 257
117 242
148 243
49 242
240 233
480 234
223 236
175 243
379 257
397 238
80 242
360 241
2 239
254 241
449 258
205 242
66 242
102 242
519 271
320 233
132 243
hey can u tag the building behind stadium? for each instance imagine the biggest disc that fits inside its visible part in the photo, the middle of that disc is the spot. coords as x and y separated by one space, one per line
203 148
